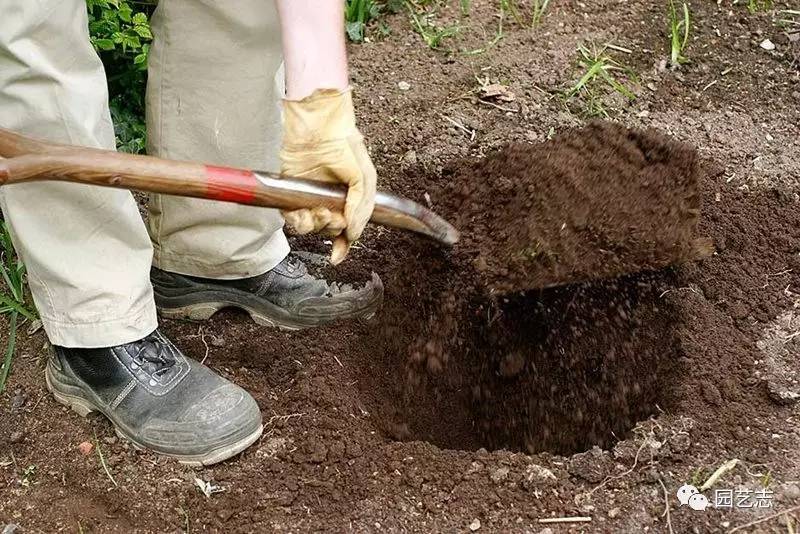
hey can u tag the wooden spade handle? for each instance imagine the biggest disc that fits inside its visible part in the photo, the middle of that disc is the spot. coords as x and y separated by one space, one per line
32 160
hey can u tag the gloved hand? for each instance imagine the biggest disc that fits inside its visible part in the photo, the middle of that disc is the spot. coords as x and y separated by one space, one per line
321 142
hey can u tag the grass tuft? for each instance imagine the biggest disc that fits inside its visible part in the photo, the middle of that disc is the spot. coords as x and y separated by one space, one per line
538 10
424 22
680 22
600 75
13 302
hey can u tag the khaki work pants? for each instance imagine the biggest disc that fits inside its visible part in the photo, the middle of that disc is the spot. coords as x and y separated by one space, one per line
214 90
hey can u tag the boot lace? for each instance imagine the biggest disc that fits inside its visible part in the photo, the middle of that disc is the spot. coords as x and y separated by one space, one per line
152 355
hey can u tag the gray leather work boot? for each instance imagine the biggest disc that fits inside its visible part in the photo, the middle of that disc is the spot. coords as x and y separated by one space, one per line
158 399
288 296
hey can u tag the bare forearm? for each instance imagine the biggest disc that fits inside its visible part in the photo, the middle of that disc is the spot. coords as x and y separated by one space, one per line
313 45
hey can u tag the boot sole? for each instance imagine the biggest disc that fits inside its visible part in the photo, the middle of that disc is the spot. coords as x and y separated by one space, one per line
210 302
204 311
84 407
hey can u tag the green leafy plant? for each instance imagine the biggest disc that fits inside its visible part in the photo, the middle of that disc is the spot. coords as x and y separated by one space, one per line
424 23
601 74
121 35
679 27
357 13
12 303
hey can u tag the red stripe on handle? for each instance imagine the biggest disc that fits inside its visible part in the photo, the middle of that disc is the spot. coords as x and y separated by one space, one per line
231 185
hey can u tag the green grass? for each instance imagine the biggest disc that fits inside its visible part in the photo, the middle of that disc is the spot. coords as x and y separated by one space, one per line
600 76
537 12
424 22
539 8
755 6
12 301
680 22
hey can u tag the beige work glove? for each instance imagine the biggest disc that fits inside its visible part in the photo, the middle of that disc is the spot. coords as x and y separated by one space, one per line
321 142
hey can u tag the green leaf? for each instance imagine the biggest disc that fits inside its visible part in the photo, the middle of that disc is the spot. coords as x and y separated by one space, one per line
355 31
131 41
125 13
16 306
143 31
140 19
103 44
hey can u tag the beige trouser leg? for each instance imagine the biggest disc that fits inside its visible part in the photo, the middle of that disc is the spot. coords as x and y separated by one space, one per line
215 84
86 249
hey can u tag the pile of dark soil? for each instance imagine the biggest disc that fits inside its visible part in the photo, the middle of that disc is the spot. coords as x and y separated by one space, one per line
557 369
592 203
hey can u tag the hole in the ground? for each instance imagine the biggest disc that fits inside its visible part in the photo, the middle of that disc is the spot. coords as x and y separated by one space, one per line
557 370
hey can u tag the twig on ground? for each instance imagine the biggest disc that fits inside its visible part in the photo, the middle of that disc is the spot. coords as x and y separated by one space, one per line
623 474
666 506
721 470
763 519
284 418
468 131
619 48
103 461
337 361
693 290
203 339
573 519
32 408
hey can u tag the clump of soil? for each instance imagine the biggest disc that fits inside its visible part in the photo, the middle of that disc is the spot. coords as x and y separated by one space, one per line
559 369
593 203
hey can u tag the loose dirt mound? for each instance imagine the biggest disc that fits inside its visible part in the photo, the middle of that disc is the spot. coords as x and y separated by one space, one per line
559 369
593 203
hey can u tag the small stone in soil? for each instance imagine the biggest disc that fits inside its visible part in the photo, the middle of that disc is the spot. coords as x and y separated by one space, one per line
791 491
766 44
537 476
781 395
475 525
499 475
18 400
86 448
16 437
614 512
403 86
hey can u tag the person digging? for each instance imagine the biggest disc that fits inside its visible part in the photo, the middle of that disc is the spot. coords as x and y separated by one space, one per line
97 275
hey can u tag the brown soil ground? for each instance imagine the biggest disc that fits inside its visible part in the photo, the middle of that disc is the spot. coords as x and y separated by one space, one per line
458 409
